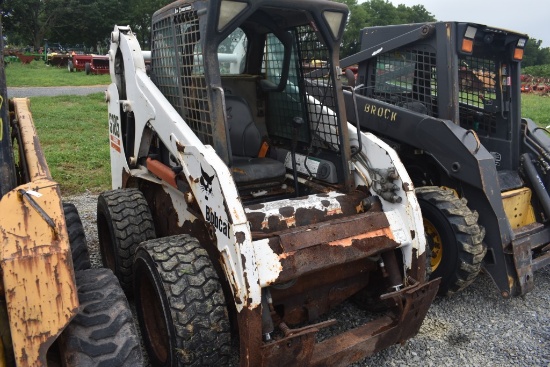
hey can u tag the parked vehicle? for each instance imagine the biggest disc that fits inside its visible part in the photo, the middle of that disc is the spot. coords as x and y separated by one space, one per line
240 198
89 63
54 309
446 96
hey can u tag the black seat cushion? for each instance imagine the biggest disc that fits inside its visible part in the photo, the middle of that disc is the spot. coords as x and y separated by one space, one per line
244 135
246 141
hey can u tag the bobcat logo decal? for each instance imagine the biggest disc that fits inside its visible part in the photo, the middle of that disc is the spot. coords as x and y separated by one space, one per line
206 183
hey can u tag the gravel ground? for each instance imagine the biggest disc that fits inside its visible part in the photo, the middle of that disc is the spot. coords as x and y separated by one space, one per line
473 328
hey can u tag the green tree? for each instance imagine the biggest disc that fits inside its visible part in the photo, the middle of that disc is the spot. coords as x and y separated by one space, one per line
414 14
534 54
70 22
140 19
30 21
90 22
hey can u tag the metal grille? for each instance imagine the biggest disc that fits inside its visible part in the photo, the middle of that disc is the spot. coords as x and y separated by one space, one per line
320 101
407 78
316 108
477 90
283 107
163 62
180 75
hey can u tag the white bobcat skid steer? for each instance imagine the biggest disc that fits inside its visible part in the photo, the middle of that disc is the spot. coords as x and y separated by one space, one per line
238 208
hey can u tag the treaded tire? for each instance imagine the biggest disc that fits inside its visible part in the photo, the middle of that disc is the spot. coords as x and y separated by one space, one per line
461 237
87 68
103 333
77 238
180 304
123 222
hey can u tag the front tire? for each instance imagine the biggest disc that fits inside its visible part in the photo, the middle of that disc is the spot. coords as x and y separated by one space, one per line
180 304
455 238
77 238
103 332
123 222
87 68
70 66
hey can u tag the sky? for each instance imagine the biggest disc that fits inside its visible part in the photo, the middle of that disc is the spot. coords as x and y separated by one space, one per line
531 17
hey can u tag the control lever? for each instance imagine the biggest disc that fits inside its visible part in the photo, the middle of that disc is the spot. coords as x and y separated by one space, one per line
297 123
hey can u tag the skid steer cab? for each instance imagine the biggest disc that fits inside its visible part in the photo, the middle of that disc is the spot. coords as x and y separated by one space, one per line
243 204
446 96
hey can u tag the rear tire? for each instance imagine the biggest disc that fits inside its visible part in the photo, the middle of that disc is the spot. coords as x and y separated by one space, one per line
180 304
77 238
103 332
123 222
455 238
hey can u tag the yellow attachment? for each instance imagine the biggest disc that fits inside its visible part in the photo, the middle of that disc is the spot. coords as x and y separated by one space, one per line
35 258
518 208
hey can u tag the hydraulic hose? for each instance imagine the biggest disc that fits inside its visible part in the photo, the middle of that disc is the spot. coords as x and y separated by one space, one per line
536 182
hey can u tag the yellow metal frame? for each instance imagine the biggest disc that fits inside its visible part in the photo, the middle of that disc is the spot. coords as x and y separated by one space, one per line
518 208
35 257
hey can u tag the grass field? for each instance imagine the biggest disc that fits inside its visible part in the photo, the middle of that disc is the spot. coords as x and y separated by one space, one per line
536 108
38 74
73 132
73 129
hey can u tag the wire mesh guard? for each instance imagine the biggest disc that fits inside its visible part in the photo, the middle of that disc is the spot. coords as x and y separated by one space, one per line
178 67
477 90
317 106
177 63
408 78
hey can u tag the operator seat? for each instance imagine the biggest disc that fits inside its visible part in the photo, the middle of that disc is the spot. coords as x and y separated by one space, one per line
246 141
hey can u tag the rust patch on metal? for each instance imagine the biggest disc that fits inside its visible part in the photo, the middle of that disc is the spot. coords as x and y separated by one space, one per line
293 350
308 216
323 256
314 294
275 245
406 311
418 266
303 211
410 306
240 237
274 223
41 159
255 219
329 231
250 336
287 211
257 206
349 202
359 239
